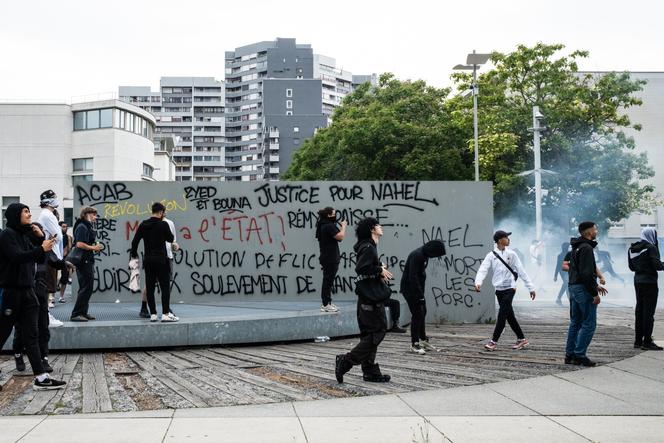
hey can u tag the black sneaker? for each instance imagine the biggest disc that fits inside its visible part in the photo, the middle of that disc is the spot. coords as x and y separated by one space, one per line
651 347
569 359
79 318
144 314
584 361
20 364
341 367
48 384
637 345
376 378
398 330
47 367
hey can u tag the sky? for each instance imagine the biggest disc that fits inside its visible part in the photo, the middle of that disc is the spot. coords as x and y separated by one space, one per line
63 50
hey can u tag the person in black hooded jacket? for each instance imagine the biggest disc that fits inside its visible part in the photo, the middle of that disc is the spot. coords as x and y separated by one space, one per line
645 261
371 316
22 245
412 288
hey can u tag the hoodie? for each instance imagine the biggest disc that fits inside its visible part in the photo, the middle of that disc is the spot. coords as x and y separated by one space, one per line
19 251
367 263
643 258
582 265
326 230
155 233
414 272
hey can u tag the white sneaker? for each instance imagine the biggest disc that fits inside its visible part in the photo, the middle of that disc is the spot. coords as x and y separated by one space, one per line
53 322
169 318
51 304
153 317
416 348
329 308
428 347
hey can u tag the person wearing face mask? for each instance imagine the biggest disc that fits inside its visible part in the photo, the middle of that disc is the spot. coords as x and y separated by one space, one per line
22 245
329 236
645 261
155 233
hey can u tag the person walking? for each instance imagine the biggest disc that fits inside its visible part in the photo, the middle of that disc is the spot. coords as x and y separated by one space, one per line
412 287
329 236
155 232
85 238
584 295
644 260
372 292
507 269
22 245
562 269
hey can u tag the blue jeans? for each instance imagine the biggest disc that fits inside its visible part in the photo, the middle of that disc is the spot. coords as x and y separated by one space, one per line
583 319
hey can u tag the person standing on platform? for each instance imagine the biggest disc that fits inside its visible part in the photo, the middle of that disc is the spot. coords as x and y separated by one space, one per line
65 274
507 268
412 288
155 232
85 238
371 316
329 236
645 261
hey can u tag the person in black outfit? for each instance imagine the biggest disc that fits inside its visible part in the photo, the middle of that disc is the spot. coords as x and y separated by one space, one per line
644 260
395 314
329 236
85 238
412 288
604 257
370 315
21 246
562 257
155 232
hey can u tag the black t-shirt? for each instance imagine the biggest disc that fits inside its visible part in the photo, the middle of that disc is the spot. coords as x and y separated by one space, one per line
329 246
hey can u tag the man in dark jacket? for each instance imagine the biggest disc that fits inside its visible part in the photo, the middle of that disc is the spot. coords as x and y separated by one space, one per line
329 236
645 261
85 238
412 288
370 313
21 246
584 295
155 232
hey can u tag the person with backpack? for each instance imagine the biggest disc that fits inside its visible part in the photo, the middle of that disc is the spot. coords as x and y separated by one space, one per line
507 268
644 259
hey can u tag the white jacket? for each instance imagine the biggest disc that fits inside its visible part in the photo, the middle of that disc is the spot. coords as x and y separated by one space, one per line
502 277
51 227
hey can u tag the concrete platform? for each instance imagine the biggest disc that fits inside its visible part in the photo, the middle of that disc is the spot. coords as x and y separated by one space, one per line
234 322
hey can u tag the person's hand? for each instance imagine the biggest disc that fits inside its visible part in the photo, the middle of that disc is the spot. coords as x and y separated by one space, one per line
343 223
478 287
98 247
601 290
38 232
532 295
602 281
47 245
70 266
596 300
387 275
175 246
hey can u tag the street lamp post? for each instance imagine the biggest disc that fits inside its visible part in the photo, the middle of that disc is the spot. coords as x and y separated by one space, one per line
473 62
537 116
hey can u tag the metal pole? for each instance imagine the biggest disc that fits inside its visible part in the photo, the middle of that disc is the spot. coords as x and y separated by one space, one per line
538 173
475 93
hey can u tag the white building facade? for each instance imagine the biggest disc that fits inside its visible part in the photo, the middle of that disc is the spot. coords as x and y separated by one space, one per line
56 146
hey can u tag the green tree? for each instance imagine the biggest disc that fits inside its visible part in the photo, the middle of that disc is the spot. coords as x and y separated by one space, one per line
410 131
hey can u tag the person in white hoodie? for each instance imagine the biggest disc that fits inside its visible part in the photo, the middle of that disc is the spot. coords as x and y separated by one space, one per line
507 269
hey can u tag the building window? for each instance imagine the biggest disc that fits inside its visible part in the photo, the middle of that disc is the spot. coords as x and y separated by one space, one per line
93 119
289 112
289 92
82 164
296 141
296 129
6 201
147 170
289 104
80 179
79 121
106 118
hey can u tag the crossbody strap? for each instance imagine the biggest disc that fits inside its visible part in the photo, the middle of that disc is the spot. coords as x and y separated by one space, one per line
514 274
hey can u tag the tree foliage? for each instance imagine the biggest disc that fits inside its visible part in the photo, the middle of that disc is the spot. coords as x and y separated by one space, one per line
406 130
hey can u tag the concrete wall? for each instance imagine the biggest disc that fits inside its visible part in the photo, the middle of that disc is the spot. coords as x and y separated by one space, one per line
255 241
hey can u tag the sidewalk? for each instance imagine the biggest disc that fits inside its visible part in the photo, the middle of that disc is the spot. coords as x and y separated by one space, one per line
622 401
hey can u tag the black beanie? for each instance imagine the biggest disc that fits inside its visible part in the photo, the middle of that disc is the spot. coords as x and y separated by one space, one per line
586 225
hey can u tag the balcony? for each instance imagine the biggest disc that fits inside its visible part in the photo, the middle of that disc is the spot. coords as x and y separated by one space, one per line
274 158
274 146
274 133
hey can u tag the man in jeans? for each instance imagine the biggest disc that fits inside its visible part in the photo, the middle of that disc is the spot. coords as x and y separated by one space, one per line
507 268
584 295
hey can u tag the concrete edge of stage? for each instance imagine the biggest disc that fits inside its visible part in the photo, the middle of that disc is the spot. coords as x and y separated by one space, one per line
118 325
